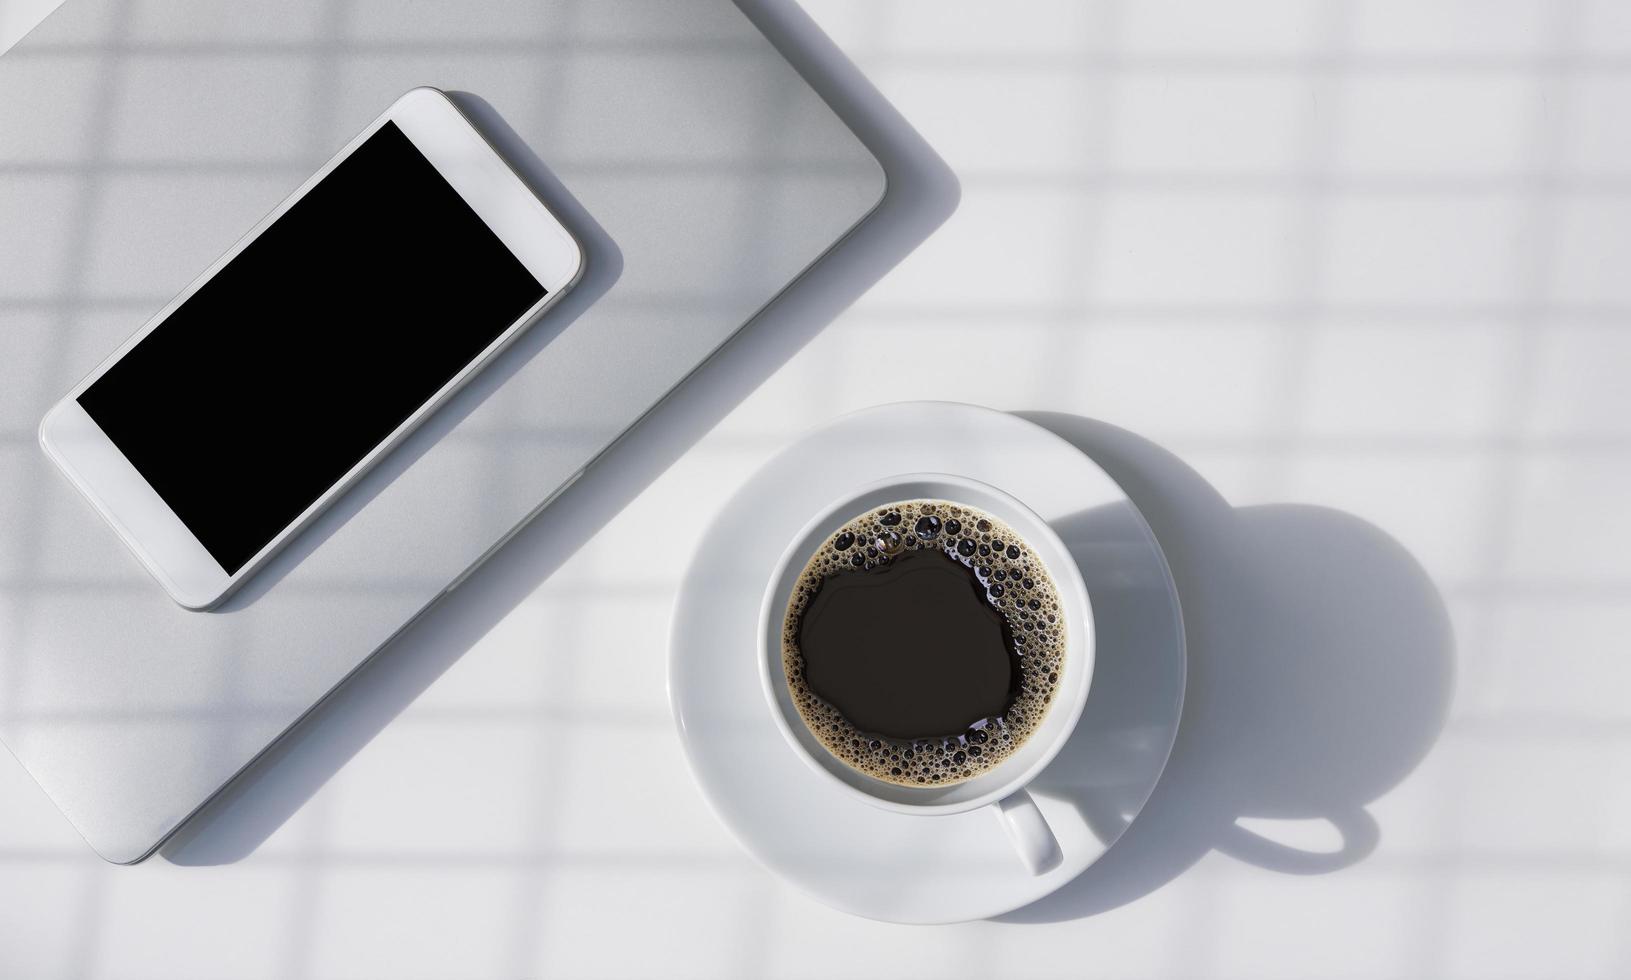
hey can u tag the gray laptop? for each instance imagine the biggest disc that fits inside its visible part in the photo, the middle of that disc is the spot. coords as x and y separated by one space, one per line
139 140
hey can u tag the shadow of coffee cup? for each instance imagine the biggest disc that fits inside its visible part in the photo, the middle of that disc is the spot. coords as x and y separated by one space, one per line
1002 787
1320 667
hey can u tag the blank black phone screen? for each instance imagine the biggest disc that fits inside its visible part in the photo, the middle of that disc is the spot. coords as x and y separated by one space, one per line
311 347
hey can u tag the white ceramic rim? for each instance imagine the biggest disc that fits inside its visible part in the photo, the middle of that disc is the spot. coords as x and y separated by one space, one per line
1075 604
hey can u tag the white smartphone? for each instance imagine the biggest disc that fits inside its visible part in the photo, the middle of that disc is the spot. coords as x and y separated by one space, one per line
316 343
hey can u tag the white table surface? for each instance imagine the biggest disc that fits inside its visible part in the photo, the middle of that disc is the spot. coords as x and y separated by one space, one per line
1374 257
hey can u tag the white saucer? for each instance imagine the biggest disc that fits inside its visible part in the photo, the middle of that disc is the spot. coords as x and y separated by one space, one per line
891 866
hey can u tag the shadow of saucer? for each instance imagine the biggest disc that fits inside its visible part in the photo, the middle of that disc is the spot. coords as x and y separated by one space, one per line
1319 675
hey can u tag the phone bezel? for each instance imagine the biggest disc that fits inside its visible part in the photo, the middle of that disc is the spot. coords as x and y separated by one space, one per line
130 505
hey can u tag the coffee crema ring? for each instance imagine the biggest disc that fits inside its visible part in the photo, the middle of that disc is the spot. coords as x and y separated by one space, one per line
1006 575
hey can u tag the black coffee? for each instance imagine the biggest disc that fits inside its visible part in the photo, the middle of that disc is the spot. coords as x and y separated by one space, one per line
923 642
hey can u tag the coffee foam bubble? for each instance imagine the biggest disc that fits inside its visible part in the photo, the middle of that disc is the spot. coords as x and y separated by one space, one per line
1016 584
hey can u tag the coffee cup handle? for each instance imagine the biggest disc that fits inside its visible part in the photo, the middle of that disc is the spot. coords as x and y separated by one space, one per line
1028 830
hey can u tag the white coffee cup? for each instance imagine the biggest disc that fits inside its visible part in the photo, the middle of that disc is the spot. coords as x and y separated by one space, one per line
1003 787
